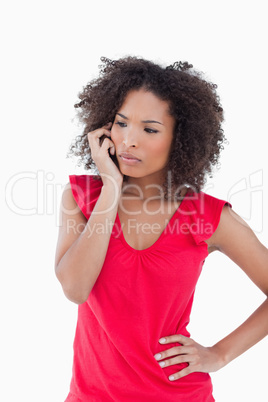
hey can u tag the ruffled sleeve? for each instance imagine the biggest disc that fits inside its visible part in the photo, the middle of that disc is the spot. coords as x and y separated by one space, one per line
86 190
204 212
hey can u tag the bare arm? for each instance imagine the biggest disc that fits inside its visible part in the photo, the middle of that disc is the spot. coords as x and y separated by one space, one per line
234 238
80 254
237 240
82 245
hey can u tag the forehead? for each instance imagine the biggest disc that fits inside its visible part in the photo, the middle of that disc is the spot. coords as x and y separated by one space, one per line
144 102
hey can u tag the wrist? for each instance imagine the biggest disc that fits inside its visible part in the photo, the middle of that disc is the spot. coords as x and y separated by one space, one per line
112 190
220 356
112 182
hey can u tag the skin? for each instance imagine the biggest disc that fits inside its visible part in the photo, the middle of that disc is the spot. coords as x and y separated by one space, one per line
149 142
233 236
144 127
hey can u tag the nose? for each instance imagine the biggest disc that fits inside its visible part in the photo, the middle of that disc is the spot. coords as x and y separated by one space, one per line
130 140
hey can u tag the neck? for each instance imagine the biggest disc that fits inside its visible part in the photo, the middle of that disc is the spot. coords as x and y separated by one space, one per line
144 187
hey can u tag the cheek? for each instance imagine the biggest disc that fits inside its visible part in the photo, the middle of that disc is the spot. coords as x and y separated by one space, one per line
160 150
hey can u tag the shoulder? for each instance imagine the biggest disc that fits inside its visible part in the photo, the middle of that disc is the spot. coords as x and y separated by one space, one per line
202 213
231 226
86 190
85 180
204 203
82 185
235 238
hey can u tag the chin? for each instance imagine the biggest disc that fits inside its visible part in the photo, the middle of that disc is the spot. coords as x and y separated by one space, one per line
128 173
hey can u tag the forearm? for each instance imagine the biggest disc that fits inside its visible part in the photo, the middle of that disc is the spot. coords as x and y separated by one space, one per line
80 266
245 336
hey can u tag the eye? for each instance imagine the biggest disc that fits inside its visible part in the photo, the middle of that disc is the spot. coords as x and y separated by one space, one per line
121 124
150 131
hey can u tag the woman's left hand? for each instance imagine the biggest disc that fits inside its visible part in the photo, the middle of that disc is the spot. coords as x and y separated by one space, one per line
199 358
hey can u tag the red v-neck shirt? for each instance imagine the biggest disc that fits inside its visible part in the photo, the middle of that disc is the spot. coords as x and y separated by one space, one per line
139 297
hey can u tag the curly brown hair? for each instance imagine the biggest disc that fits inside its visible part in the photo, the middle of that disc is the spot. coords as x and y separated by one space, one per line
198 136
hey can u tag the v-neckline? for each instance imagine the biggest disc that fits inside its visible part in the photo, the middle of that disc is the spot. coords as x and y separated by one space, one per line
134 250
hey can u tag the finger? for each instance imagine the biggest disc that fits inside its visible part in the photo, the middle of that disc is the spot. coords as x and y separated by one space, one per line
184 340
107 144
176 350
108 126
177 360
94 138
176 376
99 133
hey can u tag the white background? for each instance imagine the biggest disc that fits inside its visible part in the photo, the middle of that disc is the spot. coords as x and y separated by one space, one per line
50 49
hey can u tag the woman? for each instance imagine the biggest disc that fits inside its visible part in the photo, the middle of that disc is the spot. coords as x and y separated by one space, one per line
134 237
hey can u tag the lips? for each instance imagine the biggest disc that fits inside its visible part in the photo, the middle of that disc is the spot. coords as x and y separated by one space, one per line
129 156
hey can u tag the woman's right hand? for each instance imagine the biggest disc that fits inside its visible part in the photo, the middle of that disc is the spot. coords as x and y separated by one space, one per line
106 167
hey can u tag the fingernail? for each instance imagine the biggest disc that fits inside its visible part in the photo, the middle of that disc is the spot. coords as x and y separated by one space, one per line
157 356
162 340
162 364
171 378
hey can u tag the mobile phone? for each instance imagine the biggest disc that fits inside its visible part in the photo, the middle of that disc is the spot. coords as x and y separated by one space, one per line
113 157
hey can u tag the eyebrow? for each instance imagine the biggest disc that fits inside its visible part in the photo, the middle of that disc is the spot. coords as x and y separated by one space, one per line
143 121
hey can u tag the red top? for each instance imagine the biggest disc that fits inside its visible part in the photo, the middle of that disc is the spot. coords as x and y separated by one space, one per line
139 297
